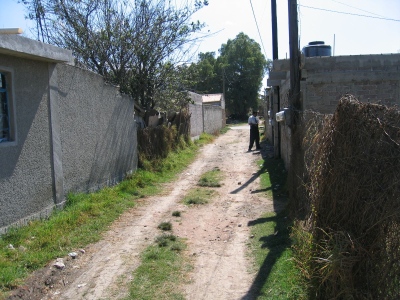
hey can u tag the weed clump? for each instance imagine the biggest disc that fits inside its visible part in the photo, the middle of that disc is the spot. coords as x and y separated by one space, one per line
176 213
166 226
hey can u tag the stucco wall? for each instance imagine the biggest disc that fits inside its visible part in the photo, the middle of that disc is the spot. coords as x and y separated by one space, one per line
25 165
98 130
73 133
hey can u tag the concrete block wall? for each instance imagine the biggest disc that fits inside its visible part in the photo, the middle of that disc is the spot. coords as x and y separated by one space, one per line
205 118
371 78
196 120
212 119
324 80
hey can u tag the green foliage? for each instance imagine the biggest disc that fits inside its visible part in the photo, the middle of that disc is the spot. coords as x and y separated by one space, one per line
163 269
244 66
81 222
198 196
166 226
207 78
205 138
165 240
211 178
176 213
136 45
278 274
277 277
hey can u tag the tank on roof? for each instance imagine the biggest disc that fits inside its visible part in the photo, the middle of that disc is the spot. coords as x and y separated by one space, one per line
317 48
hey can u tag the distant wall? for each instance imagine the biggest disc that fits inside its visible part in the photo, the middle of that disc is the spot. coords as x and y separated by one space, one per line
196 120
212 119
205 118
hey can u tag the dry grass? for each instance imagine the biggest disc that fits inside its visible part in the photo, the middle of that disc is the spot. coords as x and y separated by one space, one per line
354 188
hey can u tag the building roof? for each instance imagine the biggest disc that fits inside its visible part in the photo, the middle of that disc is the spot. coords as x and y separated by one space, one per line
12 44
212 98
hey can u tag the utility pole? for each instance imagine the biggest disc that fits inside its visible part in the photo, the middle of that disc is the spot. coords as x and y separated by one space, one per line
296 168
294 94
275 105
274 30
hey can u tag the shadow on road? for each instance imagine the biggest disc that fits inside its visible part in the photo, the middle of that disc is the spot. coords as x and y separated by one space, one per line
279 241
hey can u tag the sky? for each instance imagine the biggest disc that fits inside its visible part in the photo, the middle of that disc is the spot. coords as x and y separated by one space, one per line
350 27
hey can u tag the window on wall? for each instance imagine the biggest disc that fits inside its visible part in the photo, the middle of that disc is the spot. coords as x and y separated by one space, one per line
6 133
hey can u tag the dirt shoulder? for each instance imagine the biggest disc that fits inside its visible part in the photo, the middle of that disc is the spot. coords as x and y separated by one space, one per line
216 233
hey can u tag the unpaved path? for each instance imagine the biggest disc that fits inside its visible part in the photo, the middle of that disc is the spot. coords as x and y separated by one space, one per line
216 233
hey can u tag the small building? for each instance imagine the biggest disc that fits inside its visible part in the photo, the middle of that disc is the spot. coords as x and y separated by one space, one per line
207 113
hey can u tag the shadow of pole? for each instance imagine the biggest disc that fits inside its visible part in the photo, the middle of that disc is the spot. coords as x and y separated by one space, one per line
278 242
252 178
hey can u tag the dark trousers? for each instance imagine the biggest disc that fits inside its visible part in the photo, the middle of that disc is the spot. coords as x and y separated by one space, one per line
254 137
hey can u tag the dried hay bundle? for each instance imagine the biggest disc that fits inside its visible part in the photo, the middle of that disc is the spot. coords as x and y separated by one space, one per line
355 195
156 143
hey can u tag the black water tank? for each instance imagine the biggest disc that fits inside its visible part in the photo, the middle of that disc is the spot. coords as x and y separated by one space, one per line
317 48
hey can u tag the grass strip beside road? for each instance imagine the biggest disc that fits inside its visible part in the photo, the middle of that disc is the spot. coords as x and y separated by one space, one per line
82 221
277 277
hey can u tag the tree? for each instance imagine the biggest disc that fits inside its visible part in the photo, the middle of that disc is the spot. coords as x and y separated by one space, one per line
134 44
243 66
208 79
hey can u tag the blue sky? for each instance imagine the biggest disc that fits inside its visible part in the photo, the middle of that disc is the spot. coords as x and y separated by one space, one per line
343 24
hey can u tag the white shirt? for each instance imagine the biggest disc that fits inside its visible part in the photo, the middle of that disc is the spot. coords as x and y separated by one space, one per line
253 120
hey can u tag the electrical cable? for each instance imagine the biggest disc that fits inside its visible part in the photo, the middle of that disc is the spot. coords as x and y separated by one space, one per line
352 14
358 8
255 19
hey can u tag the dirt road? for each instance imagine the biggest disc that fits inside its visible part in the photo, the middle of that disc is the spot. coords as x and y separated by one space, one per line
216 233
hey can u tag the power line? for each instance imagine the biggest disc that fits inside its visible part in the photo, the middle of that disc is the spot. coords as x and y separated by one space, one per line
346 13
357 8
255 19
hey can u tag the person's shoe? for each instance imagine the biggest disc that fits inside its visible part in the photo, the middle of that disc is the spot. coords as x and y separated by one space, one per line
249 150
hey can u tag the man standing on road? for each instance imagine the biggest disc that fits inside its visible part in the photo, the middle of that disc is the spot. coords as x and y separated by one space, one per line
254 133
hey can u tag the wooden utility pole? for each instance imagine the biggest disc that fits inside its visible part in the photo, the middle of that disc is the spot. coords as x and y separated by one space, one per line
274 30
296 168
294 94
276 131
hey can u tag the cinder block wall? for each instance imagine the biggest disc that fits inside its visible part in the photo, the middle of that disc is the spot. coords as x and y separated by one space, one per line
196 120
212 119
324 80
205 118
98 131
371 78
